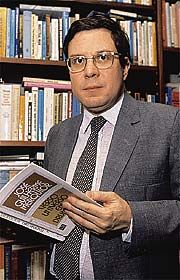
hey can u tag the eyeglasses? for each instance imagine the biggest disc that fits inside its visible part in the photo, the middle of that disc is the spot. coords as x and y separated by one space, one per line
101 60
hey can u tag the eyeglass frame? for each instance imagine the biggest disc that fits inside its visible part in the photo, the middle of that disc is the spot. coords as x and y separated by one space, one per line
114 55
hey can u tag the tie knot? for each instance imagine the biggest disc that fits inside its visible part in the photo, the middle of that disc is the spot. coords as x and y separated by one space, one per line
97 123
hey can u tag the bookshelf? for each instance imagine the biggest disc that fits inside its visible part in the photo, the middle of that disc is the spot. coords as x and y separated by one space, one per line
141 78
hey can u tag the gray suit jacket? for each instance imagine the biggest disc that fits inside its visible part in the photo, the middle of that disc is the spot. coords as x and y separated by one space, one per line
143 167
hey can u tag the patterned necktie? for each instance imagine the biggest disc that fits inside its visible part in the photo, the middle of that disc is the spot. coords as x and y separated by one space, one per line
66 261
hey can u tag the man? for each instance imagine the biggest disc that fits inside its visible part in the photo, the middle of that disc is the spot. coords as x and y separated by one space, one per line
134 233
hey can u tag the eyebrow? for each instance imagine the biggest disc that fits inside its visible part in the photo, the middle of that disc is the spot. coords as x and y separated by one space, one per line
104 50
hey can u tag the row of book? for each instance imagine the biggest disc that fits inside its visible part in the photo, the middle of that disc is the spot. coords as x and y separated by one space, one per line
11 165
142 37
38 32
172 95
170 23
22 262
140 2
31 31
28 111
147 97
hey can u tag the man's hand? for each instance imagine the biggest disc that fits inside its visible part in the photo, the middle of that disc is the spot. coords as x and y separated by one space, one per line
114 215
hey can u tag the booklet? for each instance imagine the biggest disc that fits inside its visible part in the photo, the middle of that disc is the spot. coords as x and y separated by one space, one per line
33 198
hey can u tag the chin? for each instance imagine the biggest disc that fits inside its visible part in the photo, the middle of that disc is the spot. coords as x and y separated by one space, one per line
97 109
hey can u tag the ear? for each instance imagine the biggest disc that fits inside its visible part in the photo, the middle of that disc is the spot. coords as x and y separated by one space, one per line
126 68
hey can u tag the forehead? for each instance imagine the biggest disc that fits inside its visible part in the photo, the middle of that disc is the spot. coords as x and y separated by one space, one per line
91 41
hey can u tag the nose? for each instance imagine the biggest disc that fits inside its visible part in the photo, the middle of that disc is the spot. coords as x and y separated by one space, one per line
91 69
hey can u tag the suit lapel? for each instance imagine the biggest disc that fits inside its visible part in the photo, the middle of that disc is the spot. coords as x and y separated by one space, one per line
124 140
69 138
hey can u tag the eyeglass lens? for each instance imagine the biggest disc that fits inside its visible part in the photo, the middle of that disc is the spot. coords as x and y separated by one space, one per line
102 60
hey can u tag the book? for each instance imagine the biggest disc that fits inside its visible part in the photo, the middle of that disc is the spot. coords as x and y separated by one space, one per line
46 81
27 15
33 199
38 9
3 18
5 111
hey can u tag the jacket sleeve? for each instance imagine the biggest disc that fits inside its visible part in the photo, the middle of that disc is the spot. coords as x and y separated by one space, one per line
157 223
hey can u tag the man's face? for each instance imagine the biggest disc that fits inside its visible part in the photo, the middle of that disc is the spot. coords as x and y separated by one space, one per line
97 89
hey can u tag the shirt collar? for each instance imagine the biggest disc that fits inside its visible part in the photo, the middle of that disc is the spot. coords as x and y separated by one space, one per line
110 115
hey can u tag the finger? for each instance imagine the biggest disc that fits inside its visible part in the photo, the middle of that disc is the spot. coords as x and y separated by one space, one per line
102 222
87 224
87 207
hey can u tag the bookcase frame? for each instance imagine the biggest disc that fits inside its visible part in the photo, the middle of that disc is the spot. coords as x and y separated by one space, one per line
57 69
53 69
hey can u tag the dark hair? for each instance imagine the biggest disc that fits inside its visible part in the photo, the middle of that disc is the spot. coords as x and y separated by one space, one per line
96 20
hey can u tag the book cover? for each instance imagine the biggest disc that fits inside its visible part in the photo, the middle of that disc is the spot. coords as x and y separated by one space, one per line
33 199
27 34
12 33
3 18
5 111
16 89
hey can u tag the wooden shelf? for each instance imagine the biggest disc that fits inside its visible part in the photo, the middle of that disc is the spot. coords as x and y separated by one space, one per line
32 61
30 144
171 50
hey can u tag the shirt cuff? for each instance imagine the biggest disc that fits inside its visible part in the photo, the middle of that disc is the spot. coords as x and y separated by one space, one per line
126 237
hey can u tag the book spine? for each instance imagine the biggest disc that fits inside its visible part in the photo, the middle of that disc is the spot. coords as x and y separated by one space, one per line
22 115
48 85
34 113
48 36
12 33
7 259
65 25
5 111
3 19
39 43
54 39
15 111
43 39
8 31
27 34
41 80
75 106
40 114
16 51
20 36
2 261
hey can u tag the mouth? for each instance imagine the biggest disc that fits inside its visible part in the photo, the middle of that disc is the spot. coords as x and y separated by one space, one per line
92 87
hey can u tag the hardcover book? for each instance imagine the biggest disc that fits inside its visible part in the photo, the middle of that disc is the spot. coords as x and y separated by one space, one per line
33 199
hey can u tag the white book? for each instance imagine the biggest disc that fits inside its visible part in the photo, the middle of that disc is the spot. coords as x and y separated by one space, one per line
33 198
34 113
16 89
48 110
123 13
42 80
60 38
5 111
39 43
139 42
54 39
41 10
64 105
